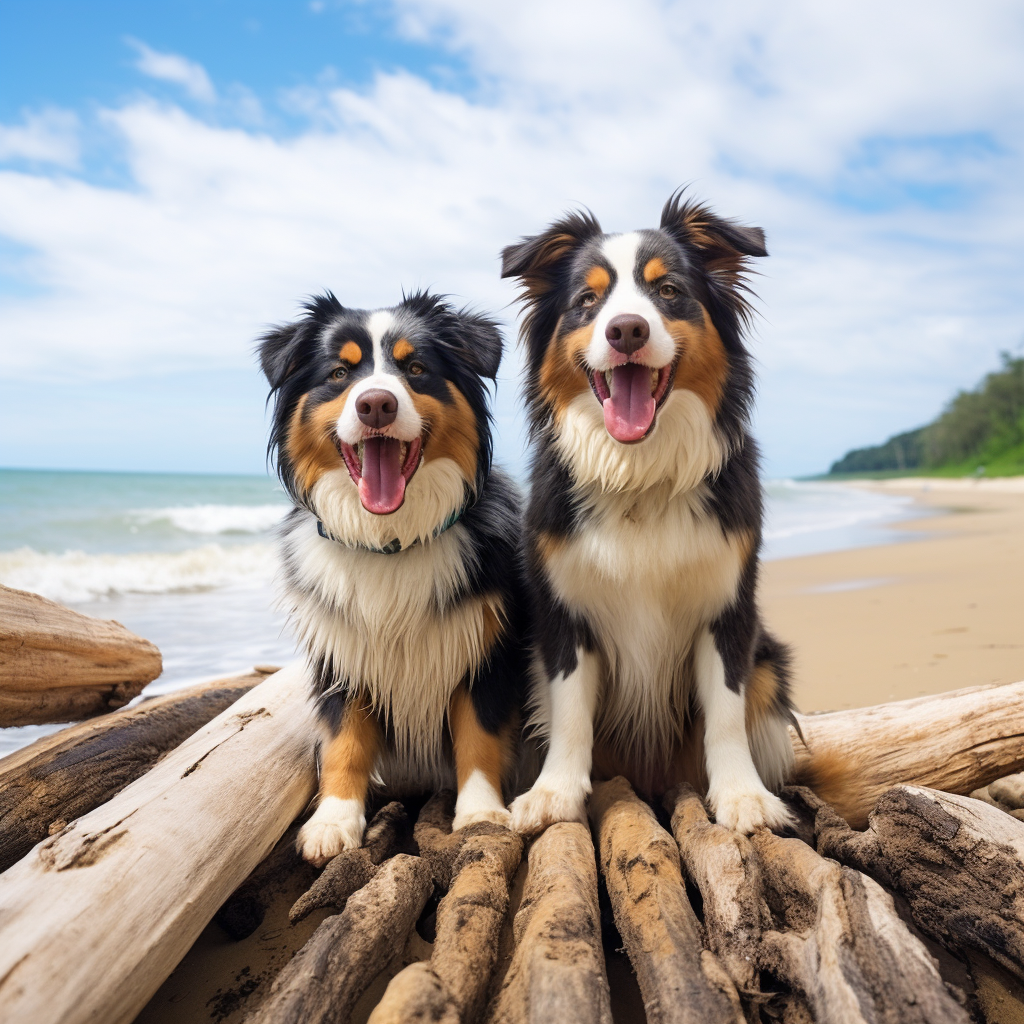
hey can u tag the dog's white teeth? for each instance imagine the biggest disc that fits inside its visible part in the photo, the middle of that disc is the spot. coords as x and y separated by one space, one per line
655 374
608 379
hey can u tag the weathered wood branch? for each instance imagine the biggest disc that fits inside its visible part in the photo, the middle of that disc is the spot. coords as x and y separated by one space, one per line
957 742
469 920
347 873
838 941
724 867
679 979
323 981
958 862
64 775
557 971
94 918
57 665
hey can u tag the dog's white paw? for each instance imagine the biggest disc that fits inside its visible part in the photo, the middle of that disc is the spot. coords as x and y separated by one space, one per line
749 808
499 815
336 825
539 807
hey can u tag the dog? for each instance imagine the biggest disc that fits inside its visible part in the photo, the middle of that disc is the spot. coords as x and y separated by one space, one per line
401 565
643 525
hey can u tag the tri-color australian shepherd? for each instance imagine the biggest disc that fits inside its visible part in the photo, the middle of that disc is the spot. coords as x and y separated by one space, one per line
644 521
401 569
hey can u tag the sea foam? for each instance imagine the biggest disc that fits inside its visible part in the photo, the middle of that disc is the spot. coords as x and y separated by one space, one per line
214 519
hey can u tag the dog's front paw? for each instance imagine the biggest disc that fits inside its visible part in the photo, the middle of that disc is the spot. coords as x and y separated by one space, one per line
747 809
336 825
499 815
539 807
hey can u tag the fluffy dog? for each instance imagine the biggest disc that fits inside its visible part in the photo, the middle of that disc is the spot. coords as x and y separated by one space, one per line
644 521
401 570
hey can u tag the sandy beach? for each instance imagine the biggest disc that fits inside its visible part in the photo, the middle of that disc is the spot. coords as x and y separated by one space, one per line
941 610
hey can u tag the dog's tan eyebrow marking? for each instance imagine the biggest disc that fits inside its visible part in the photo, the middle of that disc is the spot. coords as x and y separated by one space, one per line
351 353
654 269
402 350
598 279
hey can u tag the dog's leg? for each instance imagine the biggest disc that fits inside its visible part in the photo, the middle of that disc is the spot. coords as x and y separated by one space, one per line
736 794
339 820
481 759
561 790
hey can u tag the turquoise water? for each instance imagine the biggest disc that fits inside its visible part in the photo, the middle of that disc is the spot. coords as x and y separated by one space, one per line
188 561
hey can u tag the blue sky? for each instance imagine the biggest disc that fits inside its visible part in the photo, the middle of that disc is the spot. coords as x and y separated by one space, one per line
175 176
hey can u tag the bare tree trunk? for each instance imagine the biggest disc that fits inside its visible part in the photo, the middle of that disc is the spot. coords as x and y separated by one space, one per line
95 918
57 665
67 774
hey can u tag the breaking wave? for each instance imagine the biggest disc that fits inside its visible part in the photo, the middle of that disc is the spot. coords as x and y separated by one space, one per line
214 519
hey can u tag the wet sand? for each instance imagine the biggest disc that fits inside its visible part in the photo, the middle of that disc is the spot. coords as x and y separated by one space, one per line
942 610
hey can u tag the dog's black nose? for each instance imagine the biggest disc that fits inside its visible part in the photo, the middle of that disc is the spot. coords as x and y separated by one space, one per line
627 332
377 408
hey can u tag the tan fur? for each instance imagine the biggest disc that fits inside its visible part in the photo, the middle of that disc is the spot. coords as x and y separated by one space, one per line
654 269
351 353
451 432
349 757
561 377
310 445
402 350
704 364
475 748
553 248
598 279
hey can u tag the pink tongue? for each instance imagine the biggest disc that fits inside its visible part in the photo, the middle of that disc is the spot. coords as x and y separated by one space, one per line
629 412
382 486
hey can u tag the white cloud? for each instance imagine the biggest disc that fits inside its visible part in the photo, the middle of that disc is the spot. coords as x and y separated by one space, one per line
874 307
172 67
47 136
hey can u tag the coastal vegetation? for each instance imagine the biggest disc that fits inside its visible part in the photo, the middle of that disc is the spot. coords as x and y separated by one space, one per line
979 432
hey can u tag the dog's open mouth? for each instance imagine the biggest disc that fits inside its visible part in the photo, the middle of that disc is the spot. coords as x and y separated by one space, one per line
381 467
631 395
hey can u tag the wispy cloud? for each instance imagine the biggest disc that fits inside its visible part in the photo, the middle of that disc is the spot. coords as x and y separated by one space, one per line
884 165
172 67
48 136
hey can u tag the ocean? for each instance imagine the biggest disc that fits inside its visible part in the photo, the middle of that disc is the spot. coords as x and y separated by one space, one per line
188 561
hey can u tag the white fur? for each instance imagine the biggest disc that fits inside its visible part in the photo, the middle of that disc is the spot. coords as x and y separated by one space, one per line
479 801
682 450
436 491
335 825
626 297
736 794
561 790
409 424
389 622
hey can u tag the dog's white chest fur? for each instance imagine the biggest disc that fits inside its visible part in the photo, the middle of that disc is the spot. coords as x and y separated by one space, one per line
648 571
389 625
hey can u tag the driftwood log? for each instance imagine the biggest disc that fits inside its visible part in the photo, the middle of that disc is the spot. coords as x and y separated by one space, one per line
94 918
958 862
347 951
469 918
68 773
956 742
679 979
557 971
57 665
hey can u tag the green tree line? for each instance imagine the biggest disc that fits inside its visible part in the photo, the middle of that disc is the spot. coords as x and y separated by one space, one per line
979 431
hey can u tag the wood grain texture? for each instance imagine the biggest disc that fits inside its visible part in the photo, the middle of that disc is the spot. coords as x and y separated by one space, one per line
679 979
557 971
68 773
957 742
57 665
95 918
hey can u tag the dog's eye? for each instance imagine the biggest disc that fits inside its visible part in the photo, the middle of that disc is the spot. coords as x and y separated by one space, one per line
415 369
340 373
668 291
587 299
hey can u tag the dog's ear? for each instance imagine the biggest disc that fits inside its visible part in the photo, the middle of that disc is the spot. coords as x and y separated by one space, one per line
279 351
482 341
719 241
536 259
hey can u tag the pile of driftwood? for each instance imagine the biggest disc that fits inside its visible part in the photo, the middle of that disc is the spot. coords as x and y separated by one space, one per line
124 837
